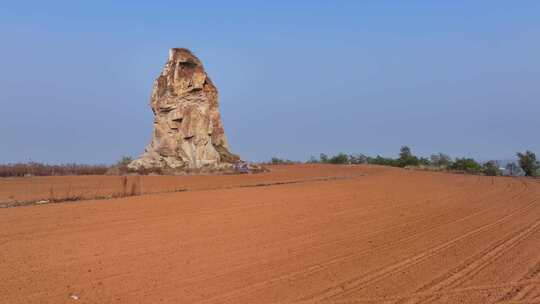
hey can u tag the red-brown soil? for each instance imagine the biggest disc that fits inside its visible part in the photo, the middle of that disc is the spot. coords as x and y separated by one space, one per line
31 189
339 234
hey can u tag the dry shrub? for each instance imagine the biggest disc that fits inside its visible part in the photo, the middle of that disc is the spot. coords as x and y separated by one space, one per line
39 169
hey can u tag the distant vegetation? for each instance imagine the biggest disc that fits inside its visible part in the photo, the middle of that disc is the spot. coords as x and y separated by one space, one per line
280 161
468 165
491 168
528 165
121 166
38 169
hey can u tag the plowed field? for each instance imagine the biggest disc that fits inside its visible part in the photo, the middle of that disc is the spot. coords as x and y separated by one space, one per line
298 234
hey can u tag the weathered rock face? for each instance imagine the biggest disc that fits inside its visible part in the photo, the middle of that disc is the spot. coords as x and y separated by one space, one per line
188 131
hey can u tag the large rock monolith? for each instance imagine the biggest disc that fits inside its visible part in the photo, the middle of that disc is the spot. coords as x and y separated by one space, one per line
188 131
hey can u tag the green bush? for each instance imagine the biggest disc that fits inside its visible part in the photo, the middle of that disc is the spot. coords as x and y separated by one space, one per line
406 158
466 165
341 158
491 168
441 160
324 158
383 161
528 162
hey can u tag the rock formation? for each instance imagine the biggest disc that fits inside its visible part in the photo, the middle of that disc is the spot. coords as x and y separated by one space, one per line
188 131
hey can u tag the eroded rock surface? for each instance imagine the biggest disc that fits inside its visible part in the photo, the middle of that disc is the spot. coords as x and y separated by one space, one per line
188 131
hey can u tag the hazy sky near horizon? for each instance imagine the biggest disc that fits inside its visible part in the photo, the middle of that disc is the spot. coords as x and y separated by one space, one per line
295 78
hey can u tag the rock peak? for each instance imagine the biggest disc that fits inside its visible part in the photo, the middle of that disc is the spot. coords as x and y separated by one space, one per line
188 131
181 53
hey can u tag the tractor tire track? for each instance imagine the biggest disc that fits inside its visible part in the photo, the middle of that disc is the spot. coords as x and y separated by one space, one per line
351 285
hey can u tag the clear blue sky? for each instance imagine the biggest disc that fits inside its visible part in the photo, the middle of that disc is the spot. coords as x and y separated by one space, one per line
295 79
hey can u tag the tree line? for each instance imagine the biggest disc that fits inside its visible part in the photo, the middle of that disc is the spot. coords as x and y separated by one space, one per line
527 163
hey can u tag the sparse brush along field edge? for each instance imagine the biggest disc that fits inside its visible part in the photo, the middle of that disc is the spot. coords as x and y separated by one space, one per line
50 189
